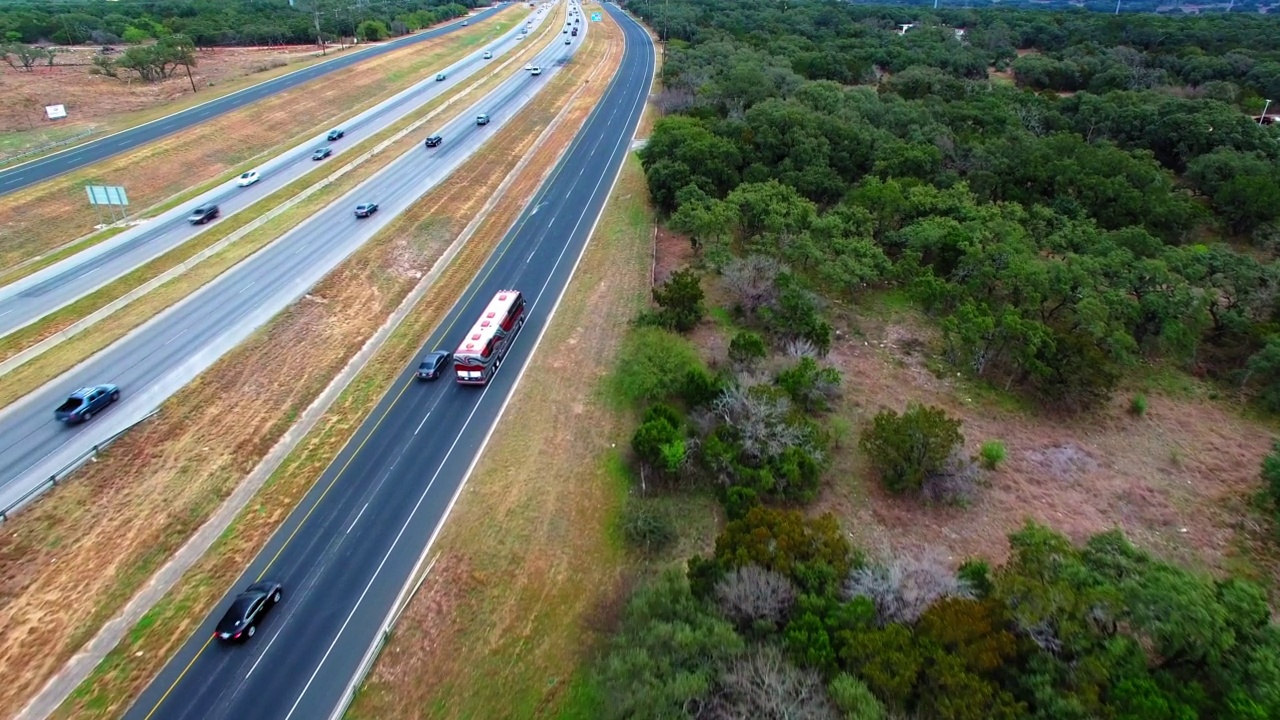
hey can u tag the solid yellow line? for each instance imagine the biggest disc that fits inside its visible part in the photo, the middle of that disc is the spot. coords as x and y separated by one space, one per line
180 675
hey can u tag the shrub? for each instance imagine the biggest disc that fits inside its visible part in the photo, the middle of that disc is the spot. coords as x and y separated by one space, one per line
679 301
700 387
764 684
888 660
906 449
992 454
780 540
1271 474
976 574
904 588
746 349
660 442
647 527
738 501
956 483
751 595
1138 405
811 387
653 365
855 699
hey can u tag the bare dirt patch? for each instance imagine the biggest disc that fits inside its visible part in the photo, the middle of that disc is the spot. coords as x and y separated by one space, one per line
93 101
1175 480
541 565
38 219
154 487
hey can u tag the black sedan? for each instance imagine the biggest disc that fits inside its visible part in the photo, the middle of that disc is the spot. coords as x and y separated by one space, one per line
247 610
321 153
434 364
335 134
434 141
366 209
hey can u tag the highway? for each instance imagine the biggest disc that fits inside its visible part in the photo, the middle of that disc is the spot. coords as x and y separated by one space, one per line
160 357
27 300
39 170
348 548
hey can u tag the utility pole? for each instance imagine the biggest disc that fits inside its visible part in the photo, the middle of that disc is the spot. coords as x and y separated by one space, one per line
189 78
315 7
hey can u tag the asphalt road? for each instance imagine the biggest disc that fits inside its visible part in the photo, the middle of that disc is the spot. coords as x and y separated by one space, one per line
30 173
31 298
162 356
345 552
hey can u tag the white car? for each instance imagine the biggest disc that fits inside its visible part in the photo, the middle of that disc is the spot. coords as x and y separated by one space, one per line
535 71
528 67
488 54
248 178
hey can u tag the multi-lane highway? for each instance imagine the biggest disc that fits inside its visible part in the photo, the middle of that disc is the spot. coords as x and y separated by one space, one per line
20 176
346 551
169 351
31 298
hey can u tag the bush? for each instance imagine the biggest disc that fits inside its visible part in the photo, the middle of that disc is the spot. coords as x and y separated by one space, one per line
738 501
855 699
811 387
976 574
992 454
764 684
679 301
750 596
654 364
646 527
1271 474
782 540
905 588
700 387
956 483
660 442
1138 405
746 349
906 449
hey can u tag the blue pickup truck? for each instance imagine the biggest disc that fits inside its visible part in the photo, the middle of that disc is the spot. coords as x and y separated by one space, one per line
83 403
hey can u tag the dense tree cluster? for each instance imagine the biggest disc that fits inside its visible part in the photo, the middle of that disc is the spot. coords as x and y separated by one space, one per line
218 22
786 620
813 151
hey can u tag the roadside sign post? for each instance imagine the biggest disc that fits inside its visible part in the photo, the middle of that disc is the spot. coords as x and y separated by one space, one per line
109 196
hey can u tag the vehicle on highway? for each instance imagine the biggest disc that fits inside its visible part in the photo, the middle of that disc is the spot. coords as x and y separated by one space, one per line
482 119
247 610
434 141
440 76
203 214
575 32
434 364
488 54
335 134
565 31
481 352
83 403
567 41
528 67
366 209
535 71
321 153
247 179
464 23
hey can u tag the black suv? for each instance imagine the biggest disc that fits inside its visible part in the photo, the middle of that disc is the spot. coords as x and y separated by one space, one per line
203 214
434 141
434 364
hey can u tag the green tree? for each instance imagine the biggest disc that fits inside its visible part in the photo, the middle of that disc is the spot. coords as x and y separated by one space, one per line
906 449
372 31
747 348
653 365
809 386
660 441
679 301
784 541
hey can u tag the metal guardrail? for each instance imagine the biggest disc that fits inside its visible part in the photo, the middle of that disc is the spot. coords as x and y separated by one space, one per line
66 469
47 146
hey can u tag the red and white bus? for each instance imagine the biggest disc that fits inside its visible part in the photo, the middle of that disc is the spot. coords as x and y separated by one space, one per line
482 351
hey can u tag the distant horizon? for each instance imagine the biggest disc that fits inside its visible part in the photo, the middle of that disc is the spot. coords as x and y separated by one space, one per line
1160 7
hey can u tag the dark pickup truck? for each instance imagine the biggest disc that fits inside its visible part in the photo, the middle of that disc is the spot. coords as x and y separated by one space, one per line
83 403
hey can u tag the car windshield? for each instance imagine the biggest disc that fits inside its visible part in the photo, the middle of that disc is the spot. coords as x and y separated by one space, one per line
247 175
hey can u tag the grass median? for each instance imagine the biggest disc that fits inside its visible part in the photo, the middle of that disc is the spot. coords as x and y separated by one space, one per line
65 355
38 220
523 567
153 488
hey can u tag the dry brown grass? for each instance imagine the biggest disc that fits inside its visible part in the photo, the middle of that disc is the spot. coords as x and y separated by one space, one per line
38 219
67 354
169 474
1176 480
327 328
523 568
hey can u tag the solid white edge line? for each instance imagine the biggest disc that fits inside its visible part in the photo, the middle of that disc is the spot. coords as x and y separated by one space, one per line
345 701
81 146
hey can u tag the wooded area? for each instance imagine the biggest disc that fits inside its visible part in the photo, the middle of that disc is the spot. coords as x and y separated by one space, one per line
1071 198
211 23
